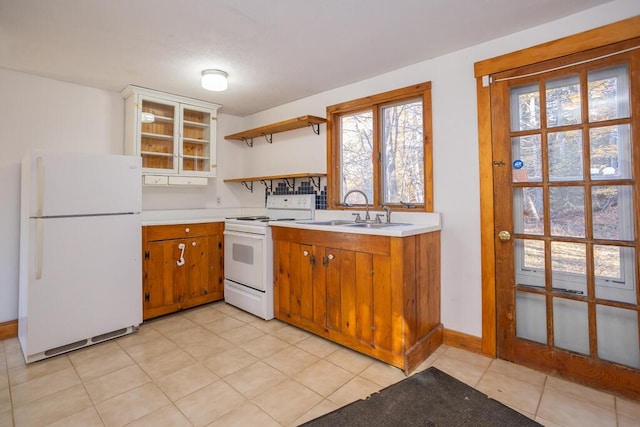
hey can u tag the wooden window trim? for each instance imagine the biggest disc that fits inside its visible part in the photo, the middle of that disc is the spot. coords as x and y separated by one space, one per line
598 37
333 141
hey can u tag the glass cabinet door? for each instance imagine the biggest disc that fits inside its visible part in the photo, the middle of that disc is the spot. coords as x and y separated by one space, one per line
197 155
158 132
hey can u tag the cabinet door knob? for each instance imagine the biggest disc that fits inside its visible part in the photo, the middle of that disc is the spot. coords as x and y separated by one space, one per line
186 230
193 244
305 253
330 256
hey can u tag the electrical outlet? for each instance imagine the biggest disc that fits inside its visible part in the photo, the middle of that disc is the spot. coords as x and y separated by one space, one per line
218 200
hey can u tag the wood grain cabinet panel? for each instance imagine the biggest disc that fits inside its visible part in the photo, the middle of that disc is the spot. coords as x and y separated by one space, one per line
182 267
379 296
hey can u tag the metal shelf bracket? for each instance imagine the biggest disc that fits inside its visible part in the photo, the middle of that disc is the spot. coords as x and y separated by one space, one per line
315 127
313 182
290 185
248 185
268 137
268 187
249 142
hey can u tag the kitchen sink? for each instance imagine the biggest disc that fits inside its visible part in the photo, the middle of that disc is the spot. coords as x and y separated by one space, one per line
329 222
351 223
377 224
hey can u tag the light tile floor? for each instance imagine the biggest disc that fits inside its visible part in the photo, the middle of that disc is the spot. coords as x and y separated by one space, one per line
219 366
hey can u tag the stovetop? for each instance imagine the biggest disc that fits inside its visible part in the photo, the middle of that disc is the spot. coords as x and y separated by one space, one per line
250 218
259 218
280 208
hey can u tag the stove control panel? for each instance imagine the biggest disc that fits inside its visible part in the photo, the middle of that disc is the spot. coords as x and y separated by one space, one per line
305 202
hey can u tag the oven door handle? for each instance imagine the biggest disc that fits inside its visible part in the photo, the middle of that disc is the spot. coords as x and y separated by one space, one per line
245 235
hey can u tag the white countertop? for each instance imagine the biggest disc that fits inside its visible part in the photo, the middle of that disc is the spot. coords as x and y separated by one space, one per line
414 222
185 216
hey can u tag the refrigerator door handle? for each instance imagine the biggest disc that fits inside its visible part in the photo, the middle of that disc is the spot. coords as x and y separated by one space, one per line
40 186
39 247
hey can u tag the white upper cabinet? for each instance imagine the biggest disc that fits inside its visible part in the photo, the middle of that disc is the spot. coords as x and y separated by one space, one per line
174 135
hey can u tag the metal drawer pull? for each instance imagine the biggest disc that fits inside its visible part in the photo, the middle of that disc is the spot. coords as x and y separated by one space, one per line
186 230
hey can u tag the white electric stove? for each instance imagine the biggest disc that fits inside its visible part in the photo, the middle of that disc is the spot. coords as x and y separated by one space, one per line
248 252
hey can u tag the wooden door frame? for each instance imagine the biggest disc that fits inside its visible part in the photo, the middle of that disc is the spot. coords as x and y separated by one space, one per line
595 38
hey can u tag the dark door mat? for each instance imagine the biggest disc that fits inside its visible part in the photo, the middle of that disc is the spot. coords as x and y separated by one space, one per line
427 399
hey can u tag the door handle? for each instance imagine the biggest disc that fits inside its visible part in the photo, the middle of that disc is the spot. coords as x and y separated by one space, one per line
180 262
504 235
39 247
40 185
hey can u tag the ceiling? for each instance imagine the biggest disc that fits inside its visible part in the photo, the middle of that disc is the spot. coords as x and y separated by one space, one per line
275 51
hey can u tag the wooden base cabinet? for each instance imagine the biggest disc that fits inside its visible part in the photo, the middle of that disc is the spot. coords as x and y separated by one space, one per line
182 267
378 295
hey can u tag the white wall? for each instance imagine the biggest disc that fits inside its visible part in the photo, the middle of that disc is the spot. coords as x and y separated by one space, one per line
456 182
42 113
37 112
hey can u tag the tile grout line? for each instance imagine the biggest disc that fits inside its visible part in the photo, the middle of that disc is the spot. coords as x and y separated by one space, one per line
544 387
6 366
93 403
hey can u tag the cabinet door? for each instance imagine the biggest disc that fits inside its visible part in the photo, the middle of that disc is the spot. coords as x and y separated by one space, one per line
289 279
158 136
350 294
204 272
384 302
216 263
303 288
198 271
197 150
164 280
333 261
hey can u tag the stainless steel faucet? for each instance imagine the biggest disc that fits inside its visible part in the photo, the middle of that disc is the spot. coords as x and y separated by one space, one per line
387 209
366 201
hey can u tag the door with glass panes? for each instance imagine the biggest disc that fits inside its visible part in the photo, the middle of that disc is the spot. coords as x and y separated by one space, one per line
566 167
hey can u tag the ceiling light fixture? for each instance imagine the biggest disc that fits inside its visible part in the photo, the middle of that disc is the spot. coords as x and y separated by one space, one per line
215 80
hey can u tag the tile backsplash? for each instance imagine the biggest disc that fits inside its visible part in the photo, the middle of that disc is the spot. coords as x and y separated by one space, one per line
300 186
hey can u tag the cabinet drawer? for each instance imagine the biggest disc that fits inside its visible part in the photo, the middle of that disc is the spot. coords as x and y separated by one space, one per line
155 180
188 180
181 231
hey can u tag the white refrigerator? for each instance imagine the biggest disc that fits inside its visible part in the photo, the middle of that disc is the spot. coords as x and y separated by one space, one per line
80 251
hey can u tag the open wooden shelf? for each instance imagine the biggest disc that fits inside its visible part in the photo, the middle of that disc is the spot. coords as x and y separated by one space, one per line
272 177
287 125
248 182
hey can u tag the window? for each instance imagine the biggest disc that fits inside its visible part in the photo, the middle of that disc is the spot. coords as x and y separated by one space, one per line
590 210
381 145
